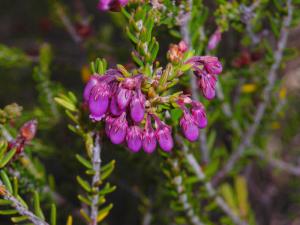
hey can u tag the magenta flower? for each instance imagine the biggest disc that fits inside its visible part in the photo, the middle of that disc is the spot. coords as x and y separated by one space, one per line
137 106
214 39
98 101
207 84
134 138
199 114
124 97
118 129
89 86
212 65
149 137
113 5
114 107
189 127
164 136
108 122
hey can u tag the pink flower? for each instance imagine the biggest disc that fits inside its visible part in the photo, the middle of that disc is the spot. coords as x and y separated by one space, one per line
118 129
164 135
89 86
137 107
134 138
189 127
113 5
149 138
98 101
199 115
207 84
214 39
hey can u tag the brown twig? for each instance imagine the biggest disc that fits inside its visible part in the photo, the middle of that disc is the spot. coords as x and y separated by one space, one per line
261 108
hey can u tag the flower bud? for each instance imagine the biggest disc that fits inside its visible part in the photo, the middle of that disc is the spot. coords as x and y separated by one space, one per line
137 107
189 127
149 137
123 98
199 115
93 81
214 39
98 101
164 137
207 84
118 129
28 130
183 47
134 138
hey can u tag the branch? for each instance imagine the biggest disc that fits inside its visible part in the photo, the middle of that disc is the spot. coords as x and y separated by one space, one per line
68 25
183 197
96 161
250 132
20 207
208 186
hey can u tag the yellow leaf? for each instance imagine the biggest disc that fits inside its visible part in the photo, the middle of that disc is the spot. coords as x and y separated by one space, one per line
248 88
70 220
282 93
242 195
275 125
85 73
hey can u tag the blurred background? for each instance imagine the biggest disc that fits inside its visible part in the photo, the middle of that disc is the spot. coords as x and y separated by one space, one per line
78 34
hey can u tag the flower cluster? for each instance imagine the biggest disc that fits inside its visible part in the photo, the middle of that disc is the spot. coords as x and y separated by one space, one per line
128 107
112 5
206 69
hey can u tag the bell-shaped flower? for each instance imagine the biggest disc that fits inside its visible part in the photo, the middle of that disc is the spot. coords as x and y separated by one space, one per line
123 98
212 65
114 107
98 101
137 106
149 137
199 114
93 81
189 127
118 129
207 84
164 136
134 138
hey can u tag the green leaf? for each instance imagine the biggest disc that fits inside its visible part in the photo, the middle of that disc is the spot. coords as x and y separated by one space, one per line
19 219
6 181
104 213
84 184
4 202
107 189
66 103
53 214
8 212
7 157
85 216
242 195
84 162
84 200
37 206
